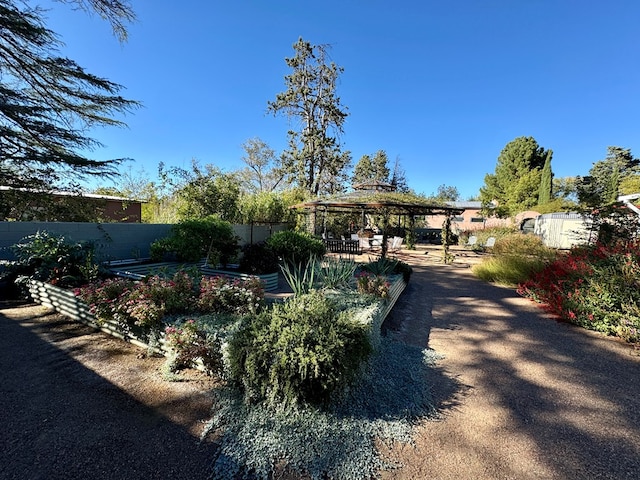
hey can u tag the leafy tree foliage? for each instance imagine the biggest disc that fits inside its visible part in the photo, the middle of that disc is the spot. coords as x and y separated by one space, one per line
48 101
602 185
377 169
399 178
314 159
371 169
447 193
262 174
204 192
515 185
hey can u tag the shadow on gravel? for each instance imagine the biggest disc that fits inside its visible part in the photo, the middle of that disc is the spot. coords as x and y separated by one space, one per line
60 420
574 393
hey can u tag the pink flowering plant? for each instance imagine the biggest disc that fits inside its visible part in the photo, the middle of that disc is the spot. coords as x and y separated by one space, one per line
222 295
372 284
595 287
142 306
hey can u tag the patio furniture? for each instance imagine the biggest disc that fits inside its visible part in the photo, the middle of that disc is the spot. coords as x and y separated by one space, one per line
342 246
394 245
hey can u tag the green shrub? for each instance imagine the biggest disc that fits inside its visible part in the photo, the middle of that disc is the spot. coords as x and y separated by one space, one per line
301 352
223 295
596 287
258 258
192 240
371 284
56 260
516 257
296 248
336 273
301 277
508 270
190 344
388 266
523 245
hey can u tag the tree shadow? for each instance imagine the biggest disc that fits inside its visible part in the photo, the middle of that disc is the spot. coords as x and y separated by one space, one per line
61 420
573 394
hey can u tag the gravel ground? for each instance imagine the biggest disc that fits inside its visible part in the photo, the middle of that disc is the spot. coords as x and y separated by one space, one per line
522 395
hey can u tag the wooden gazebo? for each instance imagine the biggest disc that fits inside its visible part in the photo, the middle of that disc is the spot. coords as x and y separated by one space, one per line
381 199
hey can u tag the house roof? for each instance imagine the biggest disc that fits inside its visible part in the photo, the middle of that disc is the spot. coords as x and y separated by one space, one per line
71 194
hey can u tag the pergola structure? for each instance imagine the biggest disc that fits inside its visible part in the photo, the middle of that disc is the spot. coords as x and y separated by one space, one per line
380 199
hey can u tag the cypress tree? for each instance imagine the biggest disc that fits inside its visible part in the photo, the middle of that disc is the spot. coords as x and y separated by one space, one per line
546 181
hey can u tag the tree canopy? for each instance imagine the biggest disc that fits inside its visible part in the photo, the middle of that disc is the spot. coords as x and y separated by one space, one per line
515 185
314 158
603 184
47 102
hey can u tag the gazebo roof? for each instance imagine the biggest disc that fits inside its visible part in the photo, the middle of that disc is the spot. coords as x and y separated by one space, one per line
370 201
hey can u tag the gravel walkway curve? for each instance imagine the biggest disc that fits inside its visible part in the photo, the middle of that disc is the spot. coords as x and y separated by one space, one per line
524 396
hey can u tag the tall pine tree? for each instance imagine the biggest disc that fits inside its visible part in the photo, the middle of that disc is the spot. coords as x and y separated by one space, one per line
47 102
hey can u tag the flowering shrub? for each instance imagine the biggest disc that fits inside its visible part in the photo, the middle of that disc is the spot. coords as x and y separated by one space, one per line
103 297
369 283
594 287
144 304
190 343
221 295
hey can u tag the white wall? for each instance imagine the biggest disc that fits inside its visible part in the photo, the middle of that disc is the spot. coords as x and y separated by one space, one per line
563 230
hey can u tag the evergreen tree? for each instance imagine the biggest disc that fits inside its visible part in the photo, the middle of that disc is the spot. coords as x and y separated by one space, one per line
372 169
363 171
602 185
546 181
515 184
380 168
48 101
314 159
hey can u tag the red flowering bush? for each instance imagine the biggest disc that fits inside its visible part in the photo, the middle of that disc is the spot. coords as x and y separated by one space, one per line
595 287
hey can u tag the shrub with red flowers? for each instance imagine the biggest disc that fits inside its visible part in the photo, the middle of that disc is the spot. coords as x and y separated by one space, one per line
596 287
372 284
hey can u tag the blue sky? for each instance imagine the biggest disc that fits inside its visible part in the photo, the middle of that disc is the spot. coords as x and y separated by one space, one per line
442 85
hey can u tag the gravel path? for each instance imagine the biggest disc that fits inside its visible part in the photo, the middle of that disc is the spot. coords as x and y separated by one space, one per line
524 396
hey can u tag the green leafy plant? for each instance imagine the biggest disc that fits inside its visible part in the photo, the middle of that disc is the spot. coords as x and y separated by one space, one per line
192 240
380 266
190 345
294 247
372 284
258 258
596 287
56 260
336 272
301 277
516 257
300 352
223 295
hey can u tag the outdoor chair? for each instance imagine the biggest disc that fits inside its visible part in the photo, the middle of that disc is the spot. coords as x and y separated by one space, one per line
491 241
395 244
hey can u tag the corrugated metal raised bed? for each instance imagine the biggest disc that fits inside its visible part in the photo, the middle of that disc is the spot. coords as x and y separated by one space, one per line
139 271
